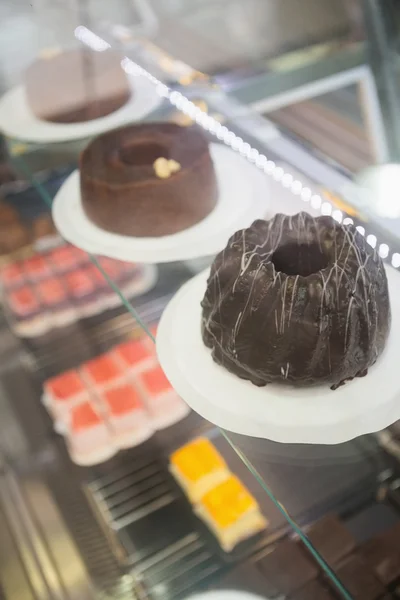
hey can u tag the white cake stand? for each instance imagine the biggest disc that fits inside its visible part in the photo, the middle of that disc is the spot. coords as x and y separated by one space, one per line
18 121
316 415
243 197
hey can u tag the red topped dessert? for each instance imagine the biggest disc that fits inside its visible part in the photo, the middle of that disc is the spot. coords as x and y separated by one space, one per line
102 371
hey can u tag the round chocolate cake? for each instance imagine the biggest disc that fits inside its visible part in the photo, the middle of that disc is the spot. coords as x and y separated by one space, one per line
148 180
76 86
297 300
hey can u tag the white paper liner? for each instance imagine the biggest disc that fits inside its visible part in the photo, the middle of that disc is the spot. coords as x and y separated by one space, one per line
130 439
94 457
243 197
314 415
18 121
162 420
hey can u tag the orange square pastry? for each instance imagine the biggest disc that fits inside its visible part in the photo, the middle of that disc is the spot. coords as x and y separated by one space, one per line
88 437
127 416
134 355
198 467
122 400
102 372
231 512
155 381
63 392
65 386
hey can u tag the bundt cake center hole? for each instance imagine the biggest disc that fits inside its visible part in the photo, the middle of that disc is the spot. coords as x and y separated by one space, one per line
299 259
142 154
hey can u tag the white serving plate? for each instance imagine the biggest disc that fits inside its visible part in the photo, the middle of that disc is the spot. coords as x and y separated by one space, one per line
243 197
313 415
18 121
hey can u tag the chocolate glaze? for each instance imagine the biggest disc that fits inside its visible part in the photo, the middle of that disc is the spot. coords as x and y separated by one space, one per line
76 86
315 590
331 539
121 192
383 559
287 568
358 579
13 236
297 300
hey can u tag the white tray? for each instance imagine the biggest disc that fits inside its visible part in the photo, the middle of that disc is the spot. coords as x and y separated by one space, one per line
39 325
243 197
18 121
316 415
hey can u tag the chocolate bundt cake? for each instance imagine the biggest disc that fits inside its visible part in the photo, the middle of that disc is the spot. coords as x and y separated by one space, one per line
76 86
297 300
152 179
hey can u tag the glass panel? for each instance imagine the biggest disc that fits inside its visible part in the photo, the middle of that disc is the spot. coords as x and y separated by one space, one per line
301 107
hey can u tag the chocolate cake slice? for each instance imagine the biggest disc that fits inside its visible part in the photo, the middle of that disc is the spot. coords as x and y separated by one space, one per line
331 539
76 86
125 192
287 567
359 580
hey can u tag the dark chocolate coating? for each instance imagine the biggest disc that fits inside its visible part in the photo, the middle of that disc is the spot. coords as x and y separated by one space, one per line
331 539
382 559
287 568
313 591
297 300
8 214
121 192
358 580
76 86
13 236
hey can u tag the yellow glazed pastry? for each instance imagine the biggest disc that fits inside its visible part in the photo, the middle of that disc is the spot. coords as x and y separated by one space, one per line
198 467
231 512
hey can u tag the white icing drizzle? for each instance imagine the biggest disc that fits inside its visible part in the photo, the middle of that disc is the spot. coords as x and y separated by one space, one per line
252 262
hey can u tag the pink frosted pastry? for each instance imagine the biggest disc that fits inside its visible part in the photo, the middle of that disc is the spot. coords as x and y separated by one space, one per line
36 268
29 319
163 403
117 272
53 296
81 288
114 268
66 258
127 416
103 372
134 355
106 294
12 276
61 394
89 439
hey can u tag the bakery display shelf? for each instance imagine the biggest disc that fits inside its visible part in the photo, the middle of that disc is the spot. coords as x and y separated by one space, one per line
133 501
54 289
321 482
150 527
66 347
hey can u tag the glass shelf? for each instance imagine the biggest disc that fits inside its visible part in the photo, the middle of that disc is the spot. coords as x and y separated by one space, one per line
296 485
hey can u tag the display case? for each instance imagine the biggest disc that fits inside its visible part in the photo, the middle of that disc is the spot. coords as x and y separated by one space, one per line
141 453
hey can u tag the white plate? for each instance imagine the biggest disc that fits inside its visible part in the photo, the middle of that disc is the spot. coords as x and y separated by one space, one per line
18 121
316 415
243 197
